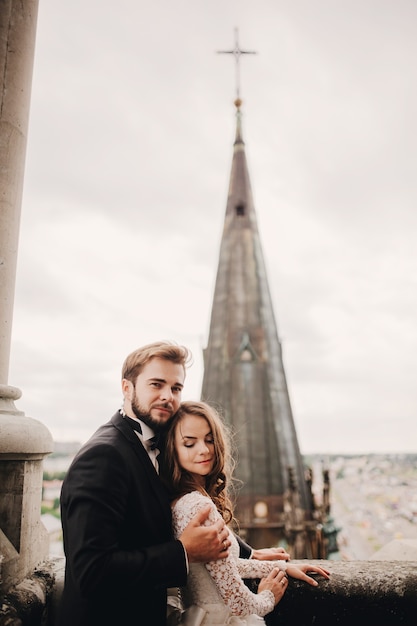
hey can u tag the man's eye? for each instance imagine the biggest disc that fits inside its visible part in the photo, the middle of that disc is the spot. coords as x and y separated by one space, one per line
177 389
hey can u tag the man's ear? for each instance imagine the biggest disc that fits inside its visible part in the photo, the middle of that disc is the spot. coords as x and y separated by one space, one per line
127 389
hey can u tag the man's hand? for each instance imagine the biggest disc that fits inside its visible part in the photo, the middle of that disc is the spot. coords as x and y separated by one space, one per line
205 543
270 554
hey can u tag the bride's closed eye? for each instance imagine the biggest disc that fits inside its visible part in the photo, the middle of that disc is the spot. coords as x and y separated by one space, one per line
190 444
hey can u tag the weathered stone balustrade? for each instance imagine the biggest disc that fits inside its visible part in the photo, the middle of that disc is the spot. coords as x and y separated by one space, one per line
363 592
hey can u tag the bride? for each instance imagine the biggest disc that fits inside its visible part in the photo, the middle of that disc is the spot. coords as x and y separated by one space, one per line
197 470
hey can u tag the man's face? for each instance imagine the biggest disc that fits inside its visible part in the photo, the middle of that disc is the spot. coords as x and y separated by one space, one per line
156 396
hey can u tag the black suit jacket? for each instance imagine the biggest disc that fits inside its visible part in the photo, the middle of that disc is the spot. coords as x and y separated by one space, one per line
117 531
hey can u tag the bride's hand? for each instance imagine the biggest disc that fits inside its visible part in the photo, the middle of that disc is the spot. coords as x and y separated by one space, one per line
276 581
300 572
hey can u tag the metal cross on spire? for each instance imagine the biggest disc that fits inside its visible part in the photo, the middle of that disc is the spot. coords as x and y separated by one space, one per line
237 53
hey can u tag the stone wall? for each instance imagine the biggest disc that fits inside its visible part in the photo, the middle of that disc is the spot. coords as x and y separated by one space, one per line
34 601
368 592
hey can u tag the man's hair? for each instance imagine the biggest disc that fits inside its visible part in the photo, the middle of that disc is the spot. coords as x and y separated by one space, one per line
136 361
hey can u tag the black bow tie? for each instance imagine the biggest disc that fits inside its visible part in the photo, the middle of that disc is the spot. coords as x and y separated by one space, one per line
154 441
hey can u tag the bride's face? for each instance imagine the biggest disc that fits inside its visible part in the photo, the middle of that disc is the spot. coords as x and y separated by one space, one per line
194 446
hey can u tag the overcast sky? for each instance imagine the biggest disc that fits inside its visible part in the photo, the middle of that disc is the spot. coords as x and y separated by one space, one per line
127 170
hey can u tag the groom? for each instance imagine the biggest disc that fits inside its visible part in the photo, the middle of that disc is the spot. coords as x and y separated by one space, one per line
116 516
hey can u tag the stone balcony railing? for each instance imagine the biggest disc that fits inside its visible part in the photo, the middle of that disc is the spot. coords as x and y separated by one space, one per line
363 592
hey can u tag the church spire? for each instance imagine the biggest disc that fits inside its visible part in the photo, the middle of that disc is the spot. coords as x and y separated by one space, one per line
238 138
243 368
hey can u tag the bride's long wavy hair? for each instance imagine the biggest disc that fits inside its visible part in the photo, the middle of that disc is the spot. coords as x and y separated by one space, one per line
219 481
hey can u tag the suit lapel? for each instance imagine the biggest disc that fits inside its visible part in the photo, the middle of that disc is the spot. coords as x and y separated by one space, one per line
157 486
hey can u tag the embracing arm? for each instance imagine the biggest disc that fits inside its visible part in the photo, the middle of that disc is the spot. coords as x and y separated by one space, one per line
245 550
263 554
270 554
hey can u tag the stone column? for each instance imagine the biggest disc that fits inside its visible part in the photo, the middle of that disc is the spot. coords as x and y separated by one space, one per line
24 442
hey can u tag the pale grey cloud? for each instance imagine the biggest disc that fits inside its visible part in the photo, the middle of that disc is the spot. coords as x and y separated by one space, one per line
127 171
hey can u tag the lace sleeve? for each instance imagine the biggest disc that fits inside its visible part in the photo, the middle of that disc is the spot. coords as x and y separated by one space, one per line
224 572
252 568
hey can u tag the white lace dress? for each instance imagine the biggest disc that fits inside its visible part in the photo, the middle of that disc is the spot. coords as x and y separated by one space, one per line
217 586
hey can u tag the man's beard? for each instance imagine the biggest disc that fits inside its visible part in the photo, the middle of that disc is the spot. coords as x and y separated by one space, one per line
146 417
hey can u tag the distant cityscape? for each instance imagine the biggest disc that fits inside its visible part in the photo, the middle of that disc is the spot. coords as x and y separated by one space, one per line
373 498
